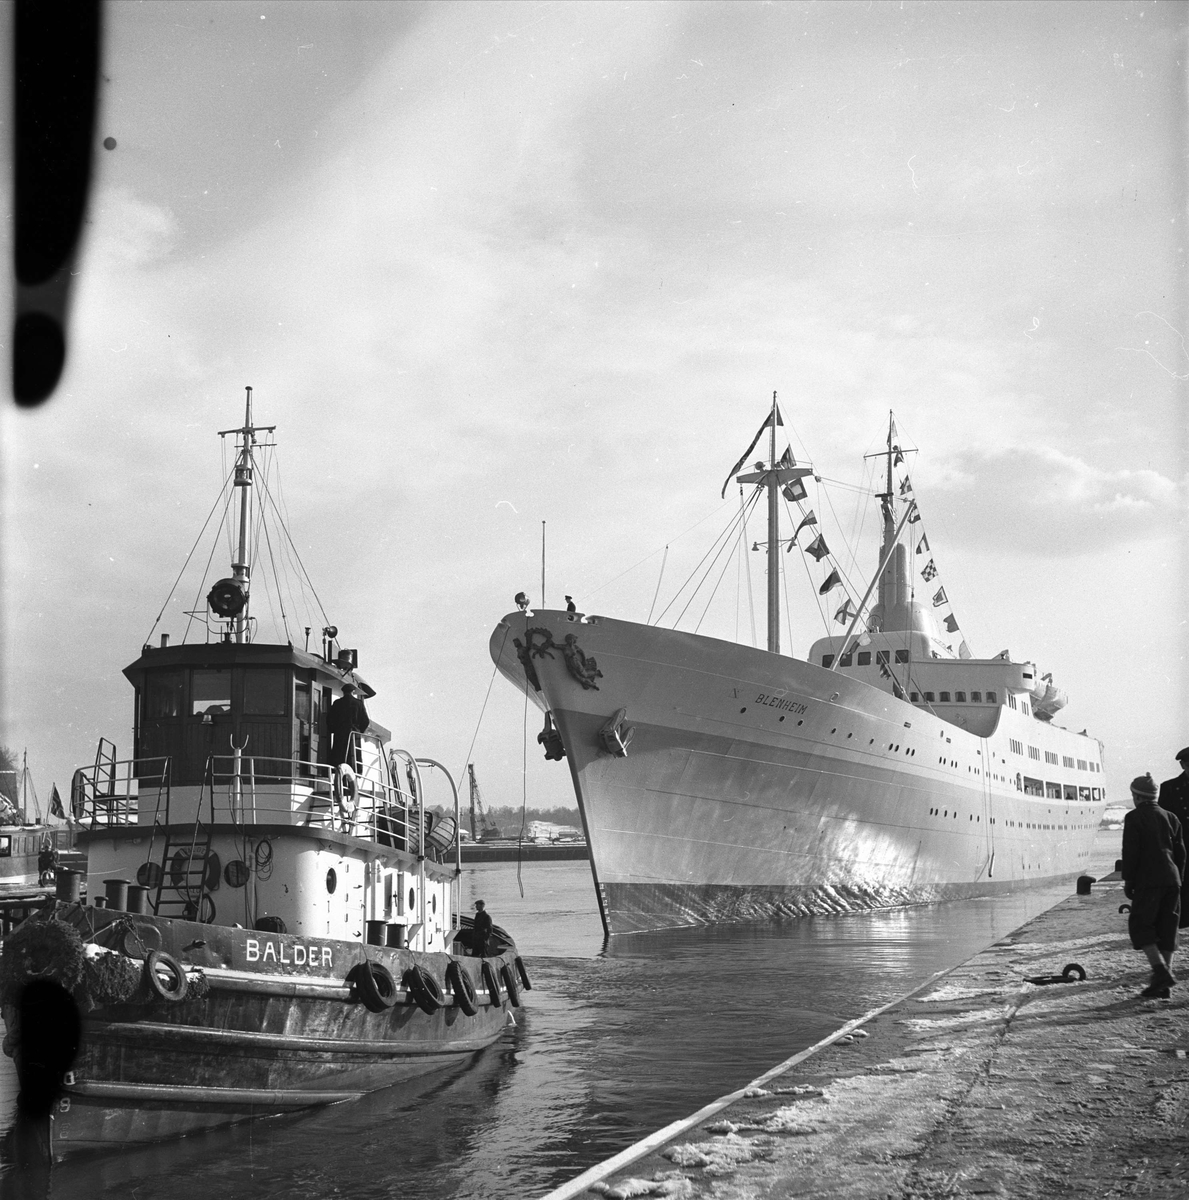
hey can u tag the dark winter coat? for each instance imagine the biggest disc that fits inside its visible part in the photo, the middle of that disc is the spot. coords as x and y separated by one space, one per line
1153 848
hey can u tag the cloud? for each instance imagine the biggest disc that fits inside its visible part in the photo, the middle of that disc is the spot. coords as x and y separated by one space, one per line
1039 500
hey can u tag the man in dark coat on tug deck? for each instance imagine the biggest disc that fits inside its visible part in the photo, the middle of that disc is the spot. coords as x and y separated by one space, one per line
347 715
1174 798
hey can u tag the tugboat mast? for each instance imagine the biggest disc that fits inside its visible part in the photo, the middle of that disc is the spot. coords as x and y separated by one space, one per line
244 468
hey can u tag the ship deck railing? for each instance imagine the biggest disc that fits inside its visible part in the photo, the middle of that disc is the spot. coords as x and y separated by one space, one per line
369 803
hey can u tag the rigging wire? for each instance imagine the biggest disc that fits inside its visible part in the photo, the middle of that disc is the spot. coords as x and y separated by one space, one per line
205 572
714 592
653 554
716 549
483 709
658 586
178 580
751 607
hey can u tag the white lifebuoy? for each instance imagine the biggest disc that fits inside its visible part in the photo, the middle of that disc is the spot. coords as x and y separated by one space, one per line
347 793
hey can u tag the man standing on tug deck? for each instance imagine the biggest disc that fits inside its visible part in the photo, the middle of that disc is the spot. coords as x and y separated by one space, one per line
1153 865
1174 798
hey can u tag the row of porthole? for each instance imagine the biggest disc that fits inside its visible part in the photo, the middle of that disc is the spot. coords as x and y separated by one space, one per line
936 812
332 882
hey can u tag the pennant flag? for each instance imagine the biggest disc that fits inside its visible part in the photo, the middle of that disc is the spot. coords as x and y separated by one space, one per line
56 804
929 571
939 599
845 613
951 623
832 581
818 548
899 456
759 433
808 519
964 649
794 491
905 486
923 545
915 514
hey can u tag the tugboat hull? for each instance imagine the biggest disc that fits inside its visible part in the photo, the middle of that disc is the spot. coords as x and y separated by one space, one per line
251 1032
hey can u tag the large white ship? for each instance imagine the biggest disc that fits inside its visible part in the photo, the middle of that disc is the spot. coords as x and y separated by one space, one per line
720 782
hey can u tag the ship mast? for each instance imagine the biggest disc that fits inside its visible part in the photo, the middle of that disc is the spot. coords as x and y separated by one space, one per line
774 477
244 468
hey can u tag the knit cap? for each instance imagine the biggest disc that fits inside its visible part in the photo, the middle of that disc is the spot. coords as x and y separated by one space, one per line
1145 786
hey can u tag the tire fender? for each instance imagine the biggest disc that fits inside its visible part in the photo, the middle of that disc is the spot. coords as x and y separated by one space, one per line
463 988
491 981
508 975
425 989
523 973
165 976
375 985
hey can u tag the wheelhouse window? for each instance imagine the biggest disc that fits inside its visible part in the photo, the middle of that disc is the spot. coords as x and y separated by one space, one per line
914 696
165 694
959 697
945 697
902 656
847 659
827 659
864 658
991 698
928 697
210 692
266 692
976 697
881 657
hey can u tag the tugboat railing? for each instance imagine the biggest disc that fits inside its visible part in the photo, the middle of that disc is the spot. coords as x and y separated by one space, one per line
110 791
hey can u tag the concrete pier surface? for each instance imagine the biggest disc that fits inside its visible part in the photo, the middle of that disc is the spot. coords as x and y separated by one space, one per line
981 1083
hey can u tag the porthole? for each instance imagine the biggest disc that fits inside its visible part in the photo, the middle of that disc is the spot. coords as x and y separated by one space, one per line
782 718
800 722
412 899
742 711
433 904
835 729
236 873
332 881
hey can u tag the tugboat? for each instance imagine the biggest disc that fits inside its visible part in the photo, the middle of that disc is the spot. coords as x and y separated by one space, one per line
274 918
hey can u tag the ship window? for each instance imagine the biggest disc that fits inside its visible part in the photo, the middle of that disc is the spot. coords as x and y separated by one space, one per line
960 697
976 697
266 691
1094 793
847 659
1071 793
827 659
210 692
164 695
5 847
1033 787
864 658
301 702
881 657
928 697
1083 793
991 698
945 697
902 656
915 696
1053 791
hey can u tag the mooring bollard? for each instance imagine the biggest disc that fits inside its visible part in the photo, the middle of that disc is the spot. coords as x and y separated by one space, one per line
67 885
1084 882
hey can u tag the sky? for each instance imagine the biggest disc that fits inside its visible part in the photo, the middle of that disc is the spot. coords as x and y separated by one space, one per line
492 265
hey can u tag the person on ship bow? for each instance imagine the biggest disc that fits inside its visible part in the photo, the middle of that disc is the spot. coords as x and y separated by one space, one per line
347 716
1153 867
1174 798
481 930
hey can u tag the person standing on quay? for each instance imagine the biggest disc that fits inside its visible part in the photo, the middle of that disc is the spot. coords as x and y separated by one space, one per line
1174 798
1153 864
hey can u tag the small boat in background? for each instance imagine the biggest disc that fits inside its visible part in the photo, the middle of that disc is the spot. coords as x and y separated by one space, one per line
275 914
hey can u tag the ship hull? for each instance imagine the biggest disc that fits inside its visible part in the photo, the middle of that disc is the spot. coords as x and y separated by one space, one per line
758 786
